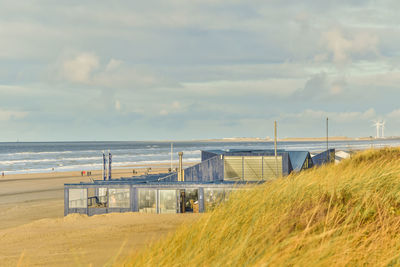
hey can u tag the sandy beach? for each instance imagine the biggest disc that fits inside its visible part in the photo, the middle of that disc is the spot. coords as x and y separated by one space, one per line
34 231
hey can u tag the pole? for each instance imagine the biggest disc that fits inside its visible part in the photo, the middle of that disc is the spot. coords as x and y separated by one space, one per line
327 140
109 164
172 151
104 166
276 146
180 178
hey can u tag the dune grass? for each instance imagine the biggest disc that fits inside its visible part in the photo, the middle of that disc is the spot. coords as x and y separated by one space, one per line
345 214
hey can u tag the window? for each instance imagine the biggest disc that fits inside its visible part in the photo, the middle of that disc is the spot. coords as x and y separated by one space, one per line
272 167
103 196
233 168
97 197
77 198
192 200
147 200
253 168
119 197
212 197
168 201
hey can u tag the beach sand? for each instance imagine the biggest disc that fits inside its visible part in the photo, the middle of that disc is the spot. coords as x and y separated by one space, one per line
34 231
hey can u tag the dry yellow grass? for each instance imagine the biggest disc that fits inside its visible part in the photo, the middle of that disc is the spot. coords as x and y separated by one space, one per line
346 214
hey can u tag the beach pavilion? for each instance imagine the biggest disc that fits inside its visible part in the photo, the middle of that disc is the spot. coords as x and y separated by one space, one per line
195 189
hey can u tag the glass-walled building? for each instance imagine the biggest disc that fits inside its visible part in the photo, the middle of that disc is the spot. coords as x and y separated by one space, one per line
102 197
204 185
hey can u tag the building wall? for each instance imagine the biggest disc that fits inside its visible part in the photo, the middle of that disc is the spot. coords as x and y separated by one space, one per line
205 155
214 169
209 170
286 164
252 168
325 157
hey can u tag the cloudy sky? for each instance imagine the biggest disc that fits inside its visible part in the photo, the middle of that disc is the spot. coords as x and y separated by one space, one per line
174 69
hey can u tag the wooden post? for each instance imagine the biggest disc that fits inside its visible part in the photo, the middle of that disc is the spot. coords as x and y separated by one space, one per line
172 151
180 173
327 142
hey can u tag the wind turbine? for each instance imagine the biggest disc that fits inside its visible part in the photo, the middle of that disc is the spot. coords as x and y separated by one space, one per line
377 124
383 129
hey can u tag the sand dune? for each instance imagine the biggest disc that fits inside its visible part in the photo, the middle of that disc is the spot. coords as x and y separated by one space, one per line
34 231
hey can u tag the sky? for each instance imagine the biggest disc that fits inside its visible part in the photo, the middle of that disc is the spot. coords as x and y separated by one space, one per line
184 70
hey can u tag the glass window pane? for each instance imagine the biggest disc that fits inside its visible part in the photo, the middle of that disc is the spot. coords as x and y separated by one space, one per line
253 168
272 167
119 197
212 196
168 202
233 168
77 198
192 200
147 200
97 198
103 197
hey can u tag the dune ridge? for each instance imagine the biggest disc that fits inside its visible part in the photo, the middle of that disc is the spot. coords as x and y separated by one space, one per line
345 214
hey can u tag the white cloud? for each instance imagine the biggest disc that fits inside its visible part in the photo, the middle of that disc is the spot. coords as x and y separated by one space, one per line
388 78
173 108
336 90
80 68
86 69
113 64
271 87
6 115
164 112
117 105
176 105
342 47
123 76
395 114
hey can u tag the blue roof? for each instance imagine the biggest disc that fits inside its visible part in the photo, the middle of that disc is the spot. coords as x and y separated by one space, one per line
323 157
244 151
146 178
155 183
297 158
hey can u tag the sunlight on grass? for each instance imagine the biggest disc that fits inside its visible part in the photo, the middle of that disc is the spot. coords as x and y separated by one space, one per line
346 214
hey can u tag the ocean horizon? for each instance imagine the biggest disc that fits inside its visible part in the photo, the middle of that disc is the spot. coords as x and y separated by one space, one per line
38 157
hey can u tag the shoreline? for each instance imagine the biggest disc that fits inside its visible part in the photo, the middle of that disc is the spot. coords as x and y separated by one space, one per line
141 168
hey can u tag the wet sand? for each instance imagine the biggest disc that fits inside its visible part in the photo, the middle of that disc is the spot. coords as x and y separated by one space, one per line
34 231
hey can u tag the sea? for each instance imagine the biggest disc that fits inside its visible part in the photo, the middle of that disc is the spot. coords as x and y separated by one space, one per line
38 157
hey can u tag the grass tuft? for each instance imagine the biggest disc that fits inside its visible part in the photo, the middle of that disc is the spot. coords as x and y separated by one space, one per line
345 214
